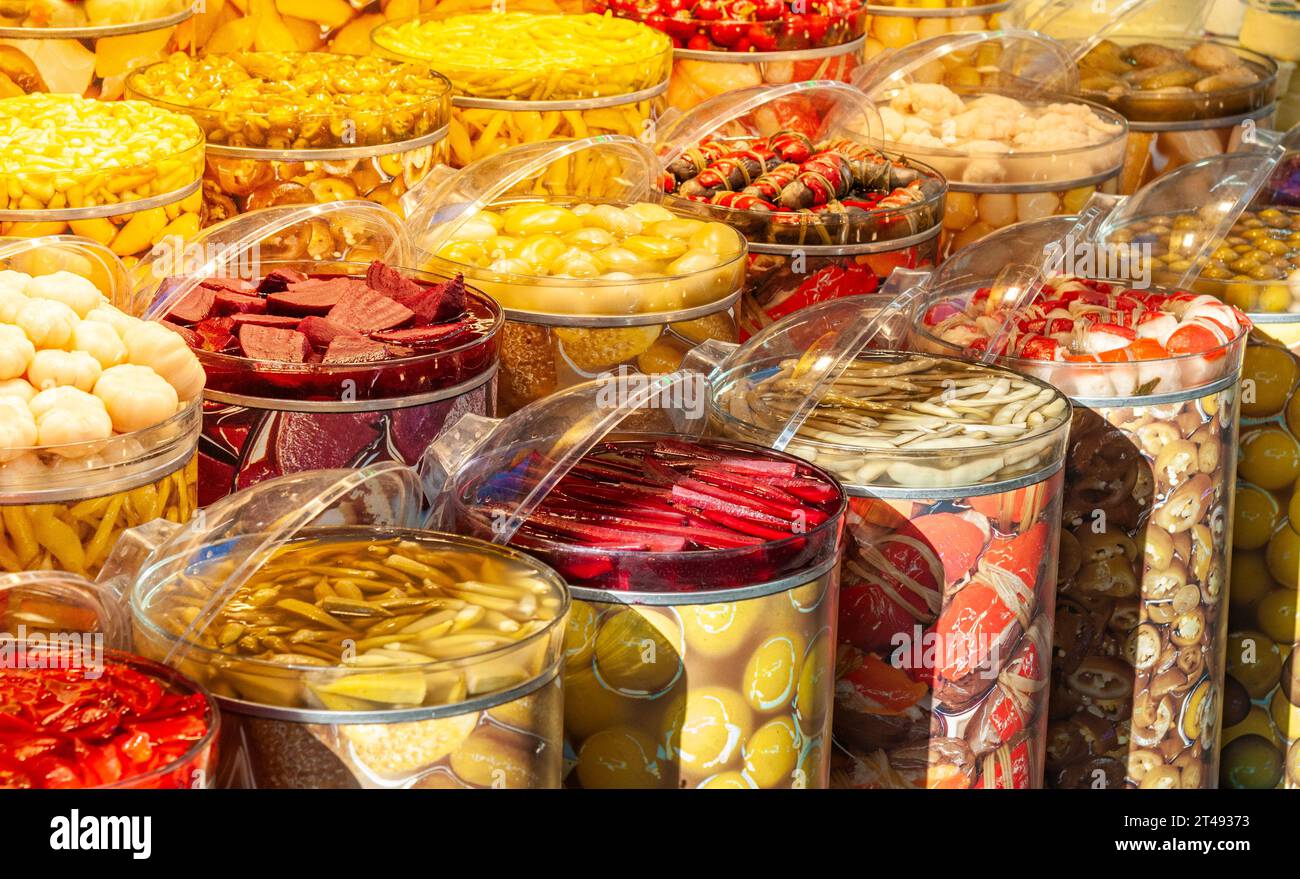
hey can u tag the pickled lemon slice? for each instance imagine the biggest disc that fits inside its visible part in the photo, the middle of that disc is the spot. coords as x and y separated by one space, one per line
392 688
592 350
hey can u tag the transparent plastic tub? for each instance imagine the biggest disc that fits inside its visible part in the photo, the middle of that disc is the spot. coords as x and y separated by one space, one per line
1140 640
263 418
899 24
522 78
87 50
304 127
948 574
824 212
71 489
1020 149
589 286
123 173
700 653
331 702
66 637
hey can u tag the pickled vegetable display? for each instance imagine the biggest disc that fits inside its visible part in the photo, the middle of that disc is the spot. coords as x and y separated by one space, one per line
823 219
124 174
1006 159
1184 99
100 421
525 78
316 370
592 287
1255 267
377 658
727 45
302 127
1259 708
1141 627
86 48
700 648
892 24
948 577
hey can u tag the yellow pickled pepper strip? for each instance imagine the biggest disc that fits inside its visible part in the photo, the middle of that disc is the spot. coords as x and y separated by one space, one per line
58 538
8 559
100 543
20 529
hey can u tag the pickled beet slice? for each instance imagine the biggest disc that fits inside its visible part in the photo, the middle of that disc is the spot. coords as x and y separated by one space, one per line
370 312
389 281
744 526
705 502
270 343
753 497
216 334
191 338
759 467
320 331
354 349
316 296
231 285
808 489
435 336
279 321
685 450
601 535
437 304
196 305
278 280
227 303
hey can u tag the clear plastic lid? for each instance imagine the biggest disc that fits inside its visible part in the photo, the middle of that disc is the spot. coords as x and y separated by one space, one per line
69 253
1082 24
45 19
37 604
338 231
461 220
870 197
631 445
994 110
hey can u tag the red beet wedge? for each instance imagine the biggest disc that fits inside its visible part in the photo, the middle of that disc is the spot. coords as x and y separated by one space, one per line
270 343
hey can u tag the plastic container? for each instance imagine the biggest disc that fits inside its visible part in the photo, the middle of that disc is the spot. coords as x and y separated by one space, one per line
700 653
65 502
263 418
304 127
1273 29
332 703
633 299
895 25
124 174
1055 150
1140 639
73 48
63 634
948 575
522 78
853 214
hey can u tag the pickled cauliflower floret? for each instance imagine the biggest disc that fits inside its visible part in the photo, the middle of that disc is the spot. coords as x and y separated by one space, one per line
17 428
928 100
153 345
16 351
47 323
135 396
100 341
66 415
52 368
74 291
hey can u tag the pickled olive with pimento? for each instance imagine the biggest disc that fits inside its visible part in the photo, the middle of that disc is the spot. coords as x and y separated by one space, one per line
86 48
1184 99
304 127
1021 149
522 77
361 656
948 576
700 650
825 214
122 173
1141 623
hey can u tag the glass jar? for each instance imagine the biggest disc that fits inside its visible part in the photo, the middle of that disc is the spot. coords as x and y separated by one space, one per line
86 49
304 127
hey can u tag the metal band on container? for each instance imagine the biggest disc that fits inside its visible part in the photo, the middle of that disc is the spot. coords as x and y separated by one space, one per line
620 320
883 245
766 57
1158 399
397 715
375 405
472 103
84 490
1204 124
94 32
712 596
914 492
272 154
121 208
1033 186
